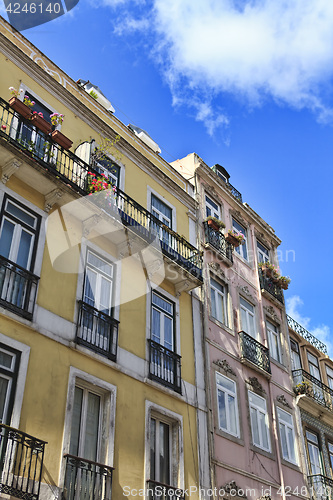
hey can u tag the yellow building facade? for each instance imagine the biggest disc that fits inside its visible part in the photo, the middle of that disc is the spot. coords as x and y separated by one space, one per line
100 338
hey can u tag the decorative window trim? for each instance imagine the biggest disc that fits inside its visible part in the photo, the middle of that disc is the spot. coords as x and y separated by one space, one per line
287 460
225 367
268 427
158 195
226 302
176 420
278 335
256 319
236 435
212 198
109 392
255 386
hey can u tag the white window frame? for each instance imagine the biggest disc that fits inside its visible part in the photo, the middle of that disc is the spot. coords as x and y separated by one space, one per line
295 354
284 426
164 314
329 374
242 250
274 341
228 392
108 417
177 449
249 314
219 294
209 206
99 275
158 195
261 255
259 410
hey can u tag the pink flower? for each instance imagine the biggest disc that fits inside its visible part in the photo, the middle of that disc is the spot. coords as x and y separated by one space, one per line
3 127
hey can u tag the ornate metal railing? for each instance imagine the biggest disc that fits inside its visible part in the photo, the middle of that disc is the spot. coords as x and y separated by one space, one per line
97 330
160 491
18 288
255 352
74 172
305 383
306 334
86 480
164 366
217 240
268 284
21 463
321 487
235 192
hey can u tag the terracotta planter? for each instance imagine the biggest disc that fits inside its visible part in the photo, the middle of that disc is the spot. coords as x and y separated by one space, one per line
284 285
61 139
211 223
267 271
232 239
41 123
20 107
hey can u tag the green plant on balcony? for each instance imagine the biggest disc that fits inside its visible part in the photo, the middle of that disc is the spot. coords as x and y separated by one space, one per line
57 119
214 223
26 100
303 388
235 237
98 184
284 282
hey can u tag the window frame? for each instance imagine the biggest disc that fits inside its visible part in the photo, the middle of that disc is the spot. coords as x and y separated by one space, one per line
209 206
291 427
241 250
10 374
99 274
258 409
260 251
274 339
164 314
294 348
150 192
318 446
235 395
248 313
224 295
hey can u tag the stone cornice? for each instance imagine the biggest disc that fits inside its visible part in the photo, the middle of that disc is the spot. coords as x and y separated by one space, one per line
55 82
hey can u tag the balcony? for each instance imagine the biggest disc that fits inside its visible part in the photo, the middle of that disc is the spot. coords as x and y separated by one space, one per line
21 144
21 463
86 480
306 335
306 384
164 366
217 240
97 331
18 288
321 487
254 353
160 491
269 288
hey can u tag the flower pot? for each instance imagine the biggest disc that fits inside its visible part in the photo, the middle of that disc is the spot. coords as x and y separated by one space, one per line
212 224
232 239
284 285
41 123
20 107
61 139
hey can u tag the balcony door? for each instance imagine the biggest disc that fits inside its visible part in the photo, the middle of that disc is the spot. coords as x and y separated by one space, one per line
160 451
164 214
315 462
318 392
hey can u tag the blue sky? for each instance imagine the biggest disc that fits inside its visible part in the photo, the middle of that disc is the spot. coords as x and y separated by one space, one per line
246 84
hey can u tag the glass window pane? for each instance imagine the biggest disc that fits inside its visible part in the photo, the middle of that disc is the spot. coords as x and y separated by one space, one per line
283 415
91 427
90 287
24 249
6 359
6 238
100 264
156 326
105 299
226 383
162 304
164 454
291 441
152 448
4 386
168 334
232 414
76 422
284 446
254 426
222 410
213 301
257 400
20 214
264 430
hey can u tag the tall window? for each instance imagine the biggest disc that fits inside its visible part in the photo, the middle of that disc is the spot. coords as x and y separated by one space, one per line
330 452
218 301
18 233
164 214
227 405
259 421
329 373
314 366
98 283
262 253
160 451
106 166
274 341
295 356
212 208
242 249
314 453
162 330
287 435
9 365
248 320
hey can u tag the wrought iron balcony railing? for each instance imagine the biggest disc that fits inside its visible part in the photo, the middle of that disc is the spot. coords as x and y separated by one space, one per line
321 487
73 171
306 384
268 284
21 463
235 192
160 491
306 334
86 480
255 352
97 330
218 241
18 288
164 366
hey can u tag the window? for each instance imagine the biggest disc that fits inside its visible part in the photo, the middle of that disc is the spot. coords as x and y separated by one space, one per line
18 233
160 451
295 356
274 341
106 166
259 421
164 214
262 252
9 365
218 301
314 454
287 435
162 331
227 405
242 249
98 283
329 373
330 452
313 366
248 321
212 208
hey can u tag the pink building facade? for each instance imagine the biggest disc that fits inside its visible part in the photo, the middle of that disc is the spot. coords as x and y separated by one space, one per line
254 441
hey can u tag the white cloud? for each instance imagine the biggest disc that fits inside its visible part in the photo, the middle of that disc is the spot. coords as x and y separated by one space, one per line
321 332
252 49
130 24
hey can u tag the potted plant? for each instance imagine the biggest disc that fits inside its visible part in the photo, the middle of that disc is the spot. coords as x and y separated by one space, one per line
269 270
98 183
22 107
214 223
303 388
39 121
284 282
57 136
234 237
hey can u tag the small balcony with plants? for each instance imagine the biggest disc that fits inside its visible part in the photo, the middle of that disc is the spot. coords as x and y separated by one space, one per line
254 354
35 157
271 281
313 389
21 464
216 241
